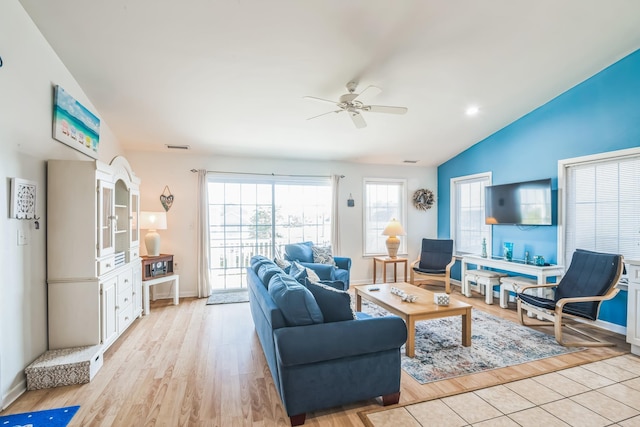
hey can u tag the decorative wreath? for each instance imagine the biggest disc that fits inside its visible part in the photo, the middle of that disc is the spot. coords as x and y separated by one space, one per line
423 199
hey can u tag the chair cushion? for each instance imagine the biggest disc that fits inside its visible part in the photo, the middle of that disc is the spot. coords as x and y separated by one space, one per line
428 270
301 252
589 274
436 254
536 301
323 255
334 304
296 302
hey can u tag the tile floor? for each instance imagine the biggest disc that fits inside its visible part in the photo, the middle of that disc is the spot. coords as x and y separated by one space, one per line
604 393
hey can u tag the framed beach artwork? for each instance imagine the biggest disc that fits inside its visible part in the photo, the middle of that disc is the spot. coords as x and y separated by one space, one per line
74 125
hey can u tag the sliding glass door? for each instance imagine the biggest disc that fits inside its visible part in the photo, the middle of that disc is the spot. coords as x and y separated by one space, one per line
252 216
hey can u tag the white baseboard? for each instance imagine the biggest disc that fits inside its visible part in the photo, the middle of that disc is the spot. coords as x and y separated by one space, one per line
14 393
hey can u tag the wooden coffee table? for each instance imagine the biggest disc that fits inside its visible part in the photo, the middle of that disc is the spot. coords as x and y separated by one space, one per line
423 309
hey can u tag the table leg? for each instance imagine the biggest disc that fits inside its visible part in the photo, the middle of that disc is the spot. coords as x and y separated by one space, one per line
411 337
466 328
358 302
384 272
395 272
405 269
374 270
176 294
145 298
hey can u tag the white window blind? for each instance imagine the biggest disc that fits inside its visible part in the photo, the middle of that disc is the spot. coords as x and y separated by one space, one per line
602 208
467 213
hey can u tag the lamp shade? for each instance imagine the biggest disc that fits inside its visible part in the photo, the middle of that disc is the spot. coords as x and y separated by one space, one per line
394 228
153 220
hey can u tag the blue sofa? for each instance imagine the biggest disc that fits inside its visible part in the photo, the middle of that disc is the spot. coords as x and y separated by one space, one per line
303 253
321 364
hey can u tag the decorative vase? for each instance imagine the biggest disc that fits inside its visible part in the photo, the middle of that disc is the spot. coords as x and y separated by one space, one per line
508 251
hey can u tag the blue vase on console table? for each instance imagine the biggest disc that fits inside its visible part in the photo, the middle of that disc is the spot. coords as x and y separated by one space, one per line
508 251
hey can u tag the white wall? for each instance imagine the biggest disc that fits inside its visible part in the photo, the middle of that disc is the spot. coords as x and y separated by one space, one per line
31 69
173 169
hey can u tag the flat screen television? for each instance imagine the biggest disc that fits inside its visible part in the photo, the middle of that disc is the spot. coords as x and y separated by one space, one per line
519 203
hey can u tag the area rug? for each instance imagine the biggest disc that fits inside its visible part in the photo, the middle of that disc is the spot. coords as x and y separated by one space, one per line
228 297
58 417
495 343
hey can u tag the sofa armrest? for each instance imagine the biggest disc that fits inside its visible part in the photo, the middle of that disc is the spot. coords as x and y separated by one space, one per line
324 271
343 262
327 341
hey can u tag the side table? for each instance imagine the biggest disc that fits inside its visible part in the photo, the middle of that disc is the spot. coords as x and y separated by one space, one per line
384 260
147 283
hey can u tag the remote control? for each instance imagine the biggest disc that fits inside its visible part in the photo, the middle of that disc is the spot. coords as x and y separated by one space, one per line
373 288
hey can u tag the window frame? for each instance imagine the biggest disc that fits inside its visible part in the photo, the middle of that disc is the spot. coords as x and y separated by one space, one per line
402 217
563 176
454 214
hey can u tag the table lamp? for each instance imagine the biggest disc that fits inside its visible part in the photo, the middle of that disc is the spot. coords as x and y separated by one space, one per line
393 229
153 221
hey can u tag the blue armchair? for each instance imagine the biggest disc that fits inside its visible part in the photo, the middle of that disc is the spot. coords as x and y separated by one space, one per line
302 253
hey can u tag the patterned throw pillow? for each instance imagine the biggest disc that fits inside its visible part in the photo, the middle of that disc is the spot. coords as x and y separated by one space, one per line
298 272
312 276
283 264
322 255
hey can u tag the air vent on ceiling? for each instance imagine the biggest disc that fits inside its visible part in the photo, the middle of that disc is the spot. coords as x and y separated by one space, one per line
410 161
177 147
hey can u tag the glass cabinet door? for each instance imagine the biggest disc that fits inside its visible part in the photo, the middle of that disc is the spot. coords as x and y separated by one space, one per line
133 216
106 218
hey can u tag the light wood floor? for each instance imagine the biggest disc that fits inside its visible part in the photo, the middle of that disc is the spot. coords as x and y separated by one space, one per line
199 365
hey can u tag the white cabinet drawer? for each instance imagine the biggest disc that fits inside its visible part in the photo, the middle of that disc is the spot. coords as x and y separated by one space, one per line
125 317
106 265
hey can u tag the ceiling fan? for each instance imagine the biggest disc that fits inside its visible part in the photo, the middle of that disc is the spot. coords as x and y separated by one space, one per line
355 103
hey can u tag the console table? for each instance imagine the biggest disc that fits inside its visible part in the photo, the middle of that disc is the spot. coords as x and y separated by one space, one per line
633 305
541 273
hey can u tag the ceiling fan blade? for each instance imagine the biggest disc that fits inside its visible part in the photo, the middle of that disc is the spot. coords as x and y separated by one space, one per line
385 109
368 93
358 120
324 114
313 98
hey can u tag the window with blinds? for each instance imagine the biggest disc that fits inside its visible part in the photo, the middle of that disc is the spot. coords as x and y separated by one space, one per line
602 206
467 213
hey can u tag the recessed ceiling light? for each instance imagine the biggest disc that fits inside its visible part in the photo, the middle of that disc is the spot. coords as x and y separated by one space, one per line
472 110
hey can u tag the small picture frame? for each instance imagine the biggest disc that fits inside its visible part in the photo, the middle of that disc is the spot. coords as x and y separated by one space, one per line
23 199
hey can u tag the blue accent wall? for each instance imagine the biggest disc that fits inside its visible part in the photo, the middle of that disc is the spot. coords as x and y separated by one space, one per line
600 114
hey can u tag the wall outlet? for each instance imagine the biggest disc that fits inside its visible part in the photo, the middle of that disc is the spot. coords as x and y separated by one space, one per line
22 238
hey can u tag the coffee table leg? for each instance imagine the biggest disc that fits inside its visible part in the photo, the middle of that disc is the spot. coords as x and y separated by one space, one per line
411 337
466 328
358 302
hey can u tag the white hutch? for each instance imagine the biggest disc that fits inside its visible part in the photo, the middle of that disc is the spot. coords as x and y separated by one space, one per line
94 271
633 305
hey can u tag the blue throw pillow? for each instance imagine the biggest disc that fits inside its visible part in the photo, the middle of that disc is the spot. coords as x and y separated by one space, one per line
334 304
295 301
298 272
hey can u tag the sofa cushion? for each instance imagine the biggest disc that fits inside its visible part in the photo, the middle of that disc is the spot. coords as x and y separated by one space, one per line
296 302
257 261
323 255
334 304
301 252
266 271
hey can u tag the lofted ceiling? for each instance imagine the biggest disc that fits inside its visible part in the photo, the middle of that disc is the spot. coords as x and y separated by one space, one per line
229 77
